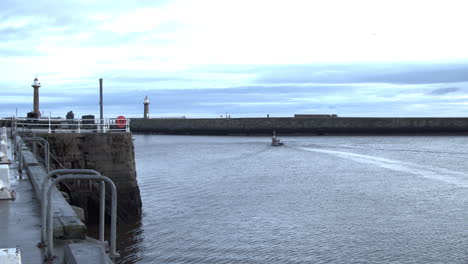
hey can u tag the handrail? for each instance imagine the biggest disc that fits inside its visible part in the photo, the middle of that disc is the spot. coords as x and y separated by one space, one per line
50 125
44 204
122 214
46 151
50 239
15 134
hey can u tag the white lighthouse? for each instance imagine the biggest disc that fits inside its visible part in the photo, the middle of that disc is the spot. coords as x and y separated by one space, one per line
36 84
146 103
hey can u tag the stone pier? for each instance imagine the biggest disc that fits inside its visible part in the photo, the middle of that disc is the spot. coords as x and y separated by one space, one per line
111 154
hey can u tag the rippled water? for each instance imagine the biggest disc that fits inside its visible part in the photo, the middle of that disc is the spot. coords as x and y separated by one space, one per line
315 200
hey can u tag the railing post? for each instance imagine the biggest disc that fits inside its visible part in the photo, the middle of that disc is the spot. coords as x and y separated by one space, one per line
44 196
46 152
50 238
102 206
79 125
50 131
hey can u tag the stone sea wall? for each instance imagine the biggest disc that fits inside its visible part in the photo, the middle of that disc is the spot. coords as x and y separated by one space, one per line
111 154
305 125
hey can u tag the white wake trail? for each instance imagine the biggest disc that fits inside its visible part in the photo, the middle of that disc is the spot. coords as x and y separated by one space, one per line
429 172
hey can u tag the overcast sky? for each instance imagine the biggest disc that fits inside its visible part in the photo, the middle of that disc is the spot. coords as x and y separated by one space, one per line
203 58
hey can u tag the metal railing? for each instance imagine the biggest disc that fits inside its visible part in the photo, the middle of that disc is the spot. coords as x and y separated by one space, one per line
48 211
32 139
122 214
59 125
44 199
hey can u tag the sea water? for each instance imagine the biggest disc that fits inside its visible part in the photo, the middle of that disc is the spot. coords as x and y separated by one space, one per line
327 199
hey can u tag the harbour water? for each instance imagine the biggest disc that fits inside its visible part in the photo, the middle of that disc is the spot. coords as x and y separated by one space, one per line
353 199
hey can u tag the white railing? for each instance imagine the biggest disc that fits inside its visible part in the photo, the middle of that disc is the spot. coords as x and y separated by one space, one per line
57 125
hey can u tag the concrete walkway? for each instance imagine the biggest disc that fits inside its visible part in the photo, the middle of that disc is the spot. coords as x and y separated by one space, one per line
20 220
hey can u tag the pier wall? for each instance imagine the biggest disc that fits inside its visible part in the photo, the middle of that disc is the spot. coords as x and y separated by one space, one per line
299 125
111 154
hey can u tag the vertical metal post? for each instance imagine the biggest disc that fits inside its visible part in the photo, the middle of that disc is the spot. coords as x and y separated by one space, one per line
102 207
34 146
101 113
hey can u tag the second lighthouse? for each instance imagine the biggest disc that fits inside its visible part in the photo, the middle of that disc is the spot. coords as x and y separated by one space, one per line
146 102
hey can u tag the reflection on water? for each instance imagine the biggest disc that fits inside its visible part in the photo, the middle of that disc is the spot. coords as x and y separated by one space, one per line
129 246
315 200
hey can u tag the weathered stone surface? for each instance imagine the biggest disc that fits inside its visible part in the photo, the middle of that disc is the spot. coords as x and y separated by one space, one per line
72 227
67 198
85 253
79 212
111 154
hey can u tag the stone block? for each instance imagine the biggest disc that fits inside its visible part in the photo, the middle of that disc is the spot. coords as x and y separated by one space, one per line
79 212
10 256
73 228
4 176
57 228
85 252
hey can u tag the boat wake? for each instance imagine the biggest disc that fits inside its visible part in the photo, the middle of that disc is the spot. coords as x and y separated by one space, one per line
426 171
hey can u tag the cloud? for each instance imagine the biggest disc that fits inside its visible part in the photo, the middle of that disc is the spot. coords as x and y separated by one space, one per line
147 79
16 52
344 100
442 91
199 57
397 73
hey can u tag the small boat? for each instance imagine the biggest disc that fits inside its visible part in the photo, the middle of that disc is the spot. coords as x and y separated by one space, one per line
275 141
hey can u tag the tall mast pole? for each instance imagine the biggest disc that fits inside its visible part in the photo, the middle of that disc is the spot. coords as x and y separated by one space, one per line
100 100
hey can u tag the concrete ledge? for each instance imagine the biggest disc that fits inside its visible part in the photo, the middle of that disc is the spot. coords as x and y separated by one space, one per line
4 176
10 256
66 223
85 252
28 158
5 192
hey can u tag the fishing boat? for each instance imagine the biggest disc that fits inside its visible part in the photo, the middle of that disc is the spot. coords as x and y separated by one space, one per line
275 141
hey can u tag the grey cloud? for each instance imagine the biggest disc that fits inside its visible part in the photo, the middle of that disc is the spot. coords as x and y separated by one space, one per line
442 91
11 33
70 9
260 100
16 52
147 79
398 73
69 16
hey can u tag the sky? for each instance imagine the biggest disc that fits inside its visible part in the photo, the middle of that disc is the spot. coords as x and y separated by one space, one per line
244 58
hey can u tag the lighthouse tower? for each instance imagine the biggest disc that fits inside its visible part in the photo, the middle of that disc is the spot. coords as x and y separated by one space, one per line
146 102
36 84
